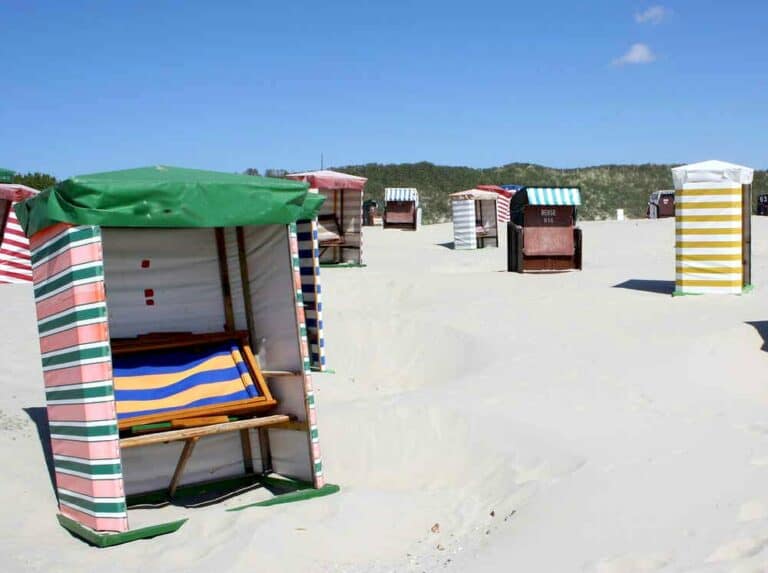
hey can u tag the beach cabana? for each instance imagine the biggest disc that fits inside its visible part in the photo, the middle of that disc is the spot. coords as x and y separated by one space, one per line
661 204
14 245
503 199
475 219
401 208
334 237
542 233
713 204
762 205
173 341
340 220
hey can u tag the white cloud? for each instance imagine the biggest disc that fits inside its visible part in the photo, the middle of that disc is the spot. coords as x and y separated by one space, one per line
637 54
652 15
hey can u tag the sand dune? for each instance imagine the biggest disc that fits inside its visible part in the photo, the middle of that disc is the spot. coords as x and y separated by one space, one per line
567 422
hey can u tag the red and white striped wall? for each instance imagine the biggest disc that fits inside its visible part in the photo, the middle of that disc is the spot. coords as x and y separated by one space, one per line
15 266
502 203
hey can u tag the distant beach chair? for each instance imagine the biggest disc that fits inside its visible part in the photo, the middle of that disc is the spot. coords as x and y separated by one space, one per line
340 220
542 234
401 208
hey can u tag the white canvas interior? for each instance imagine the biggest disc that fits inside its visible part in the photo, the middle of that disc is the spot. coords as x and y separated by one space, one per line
489 216
183 274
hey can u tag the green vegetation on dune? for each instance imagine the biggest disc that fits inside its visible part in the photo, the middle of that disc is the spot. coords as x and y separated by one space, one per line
604 188
37 181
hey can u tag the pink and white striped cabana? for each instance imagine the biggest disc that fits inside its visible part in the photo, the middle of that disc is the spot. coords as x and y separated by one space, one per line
502 204
340 219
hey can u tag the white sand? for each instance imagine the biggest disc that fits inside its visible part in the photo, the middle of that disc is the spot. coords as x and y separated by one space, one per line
606 429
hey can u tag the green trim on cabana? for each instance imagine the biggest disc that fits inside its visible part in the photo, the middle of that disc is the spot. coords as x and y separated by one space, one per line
745 290
169 197
101 539
301 491
286 490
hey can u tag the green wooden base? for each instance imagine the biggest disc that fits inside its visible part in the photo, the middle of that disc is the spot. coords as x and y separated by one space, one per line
302 493
326 371
286 490
100 539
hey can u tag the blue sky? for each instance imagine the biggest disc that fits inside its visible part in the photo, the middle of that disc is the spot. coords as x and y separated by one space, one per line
101 85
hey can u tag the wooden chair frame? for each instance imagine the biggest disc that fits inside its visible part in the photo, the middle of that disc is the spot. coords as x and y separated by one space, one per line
169 341
328 243
481 233
192 424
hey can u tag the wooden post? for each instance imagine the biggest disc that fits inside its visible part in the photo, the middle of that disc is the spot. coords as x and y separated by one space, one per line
244 278
245 443
266 451
746 234
511 248
226 289
340 257
189 445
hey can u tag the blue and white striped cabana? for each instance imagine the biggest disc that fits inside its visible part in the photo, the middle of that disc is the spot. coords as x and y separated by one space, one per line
475 218
401 194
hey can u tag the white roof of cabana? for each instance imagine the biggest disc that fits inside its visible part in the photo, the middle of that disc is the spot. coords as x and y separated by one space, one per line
327 179
16 192
712 171
474 194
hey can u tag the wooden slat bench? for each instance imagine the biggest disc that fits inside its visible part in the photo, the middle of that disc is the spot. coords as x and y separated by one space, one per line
190 424
190 436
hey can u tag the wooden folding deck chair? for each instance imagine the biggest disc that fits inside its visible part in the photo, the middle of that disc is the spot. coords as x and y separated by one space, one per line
181 387
329 232
482 234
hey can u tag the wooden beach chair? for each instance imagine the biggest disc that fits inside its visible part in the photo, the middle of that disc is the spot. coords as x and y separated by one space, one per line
181 387
329 232
400 214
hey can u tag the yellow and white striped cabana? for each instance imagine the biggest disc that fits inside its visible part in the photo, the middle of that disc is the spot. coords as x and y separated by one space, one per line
712 210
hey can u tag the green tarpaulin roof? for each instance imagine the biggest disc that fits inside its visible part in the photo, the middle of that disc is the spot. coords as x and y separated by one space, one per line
6 175
163 196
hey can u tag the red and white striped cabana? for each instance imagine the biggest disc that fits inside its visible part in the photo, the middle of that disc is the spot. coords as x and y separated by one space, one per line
340 221
502 204
15 264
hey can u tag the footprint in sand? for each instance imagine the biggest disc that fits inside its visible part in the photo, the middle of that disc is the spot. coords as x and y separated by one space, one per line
753 510
757 427
629 564
738 549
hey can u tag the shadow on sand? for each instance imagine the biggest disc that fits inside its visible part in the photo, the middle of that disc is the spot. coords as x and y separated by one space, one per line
761 326
39 416
448 245
658 287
